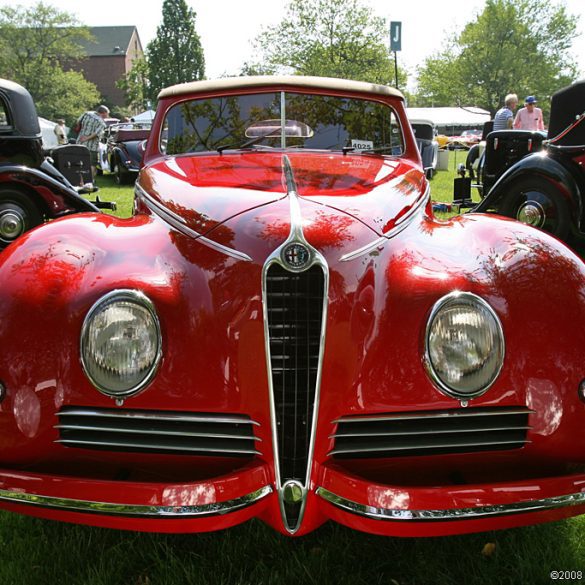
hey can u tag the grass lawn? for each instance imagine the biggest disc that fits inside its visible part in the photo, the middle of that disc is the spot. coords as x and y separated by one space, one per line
442 182
46 552
36 552
123 195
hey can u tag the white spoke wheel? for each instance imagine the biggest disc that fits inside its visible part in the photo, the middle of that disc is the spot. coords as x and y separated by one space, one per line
18 214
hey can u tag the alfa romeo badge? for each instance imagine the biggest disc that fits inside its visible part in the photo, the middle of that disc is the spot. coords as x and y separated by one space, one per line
296 255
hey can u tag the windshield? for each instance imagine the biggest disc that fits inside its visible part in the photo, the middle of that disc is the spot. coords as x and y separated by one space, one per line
281 120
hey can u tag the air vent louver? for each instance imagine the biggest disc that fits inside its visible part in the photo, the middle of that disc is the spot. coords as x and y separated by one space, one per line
431 433
179 433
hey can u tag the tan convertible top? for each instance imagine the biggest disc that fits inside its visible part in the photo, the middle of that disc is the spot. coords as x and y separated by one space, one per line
227 83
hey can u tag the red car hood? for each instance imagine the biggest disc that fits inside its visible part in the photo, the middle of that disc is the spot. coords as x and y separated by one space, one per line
208 190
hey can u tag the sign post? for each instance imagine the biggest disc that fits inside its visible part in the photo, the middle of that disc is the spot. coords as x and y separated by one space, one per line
395 45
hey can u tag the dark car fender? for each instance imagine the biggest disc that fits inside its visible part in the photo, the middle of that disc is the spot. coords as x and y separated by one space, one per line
118 154
127 154
546 167
55 197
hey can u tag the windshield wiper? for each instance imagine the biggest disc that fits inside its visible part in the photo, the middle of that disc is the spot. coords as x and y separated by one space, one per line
377 149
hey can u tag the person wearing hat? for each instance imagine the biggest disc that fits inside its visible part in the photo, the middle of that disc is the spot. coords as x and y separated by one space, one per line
529 117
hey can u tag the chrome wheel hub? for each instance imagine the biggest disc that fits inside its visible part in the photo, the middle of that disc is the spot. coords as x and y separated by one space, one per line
531 213
12 224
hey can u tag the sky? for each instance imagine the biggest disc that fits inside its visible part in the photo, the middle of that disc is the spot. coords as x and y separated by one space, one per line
227 27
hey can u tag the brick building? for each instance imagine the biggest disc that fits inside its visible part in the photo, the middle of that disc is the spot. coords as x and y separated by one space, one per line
110 56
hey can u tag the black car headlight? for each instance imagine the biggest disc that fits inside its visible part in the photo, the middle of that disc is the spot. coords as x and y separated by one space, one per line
121 343
464 345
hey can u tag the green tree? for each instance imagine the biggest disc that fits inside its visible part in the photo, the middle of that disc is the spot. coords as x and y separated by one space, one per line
34 45
136 86
175 55
519 46
332 38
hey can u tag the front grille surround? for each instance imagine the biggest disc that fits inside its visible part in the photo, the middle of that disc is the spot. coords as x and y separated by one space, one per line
295 309
158 432
294 304
425 433
294 257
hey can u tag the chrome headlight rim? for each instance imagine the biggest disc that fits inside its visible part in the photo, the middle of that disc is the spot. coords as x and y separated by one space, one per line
139 298
433 375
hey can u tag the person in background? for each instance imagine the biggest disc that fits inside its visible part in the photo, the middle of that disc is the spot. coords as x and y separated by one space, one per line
505 116
61 132
529 117
91 127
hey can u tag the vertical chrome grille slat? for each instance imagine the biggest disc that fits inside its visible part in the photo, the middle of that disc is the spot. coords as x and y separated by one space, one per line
294 311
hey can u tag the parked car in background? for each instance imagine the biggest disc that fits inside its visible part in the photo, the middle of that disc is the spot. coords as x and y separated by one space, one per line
283 330
539 181
32 189
442 140
125 149
424 134
465 140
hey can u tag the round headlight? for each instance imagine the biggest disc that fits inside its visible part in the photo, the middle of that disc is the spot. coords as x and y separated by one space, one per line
121 343
464 350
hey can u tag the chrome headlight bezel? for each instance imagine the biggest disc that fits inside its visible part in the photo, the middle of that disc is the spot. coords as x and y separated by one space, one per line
125 295
445 302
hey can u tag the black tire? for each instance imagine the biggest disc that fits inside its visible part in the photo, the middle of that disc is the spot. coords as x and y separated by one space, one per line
120 175
18 214
472 156
538 202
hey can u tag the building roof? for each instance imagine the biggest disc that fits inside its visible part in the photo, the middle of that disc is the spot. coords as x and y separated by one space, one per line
109 40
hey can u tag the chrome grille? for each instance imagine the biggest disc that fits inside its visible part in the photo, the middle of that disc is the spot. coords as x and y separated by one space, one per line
294 303
431 432
157 432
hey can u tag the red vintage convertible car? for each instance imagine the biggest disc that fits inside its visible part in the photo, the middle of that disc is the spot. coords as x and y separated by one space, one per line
284 331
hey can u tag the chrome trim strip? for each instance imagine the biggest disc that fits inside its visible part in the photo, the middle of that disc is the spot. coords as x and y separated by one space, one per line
434 377
157 415
140 299
177 222
113 509
80 443
296 235
429 432
98 429
382 240
428 447
452 514
468 412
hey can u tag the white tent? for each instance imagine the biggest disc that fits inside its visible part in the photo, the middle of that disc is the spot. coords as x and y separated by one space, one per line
451 120
48 134
147 116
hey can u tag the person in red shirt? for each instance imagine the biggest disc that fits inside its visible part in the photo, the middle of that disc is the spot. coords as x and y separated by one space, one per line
529 117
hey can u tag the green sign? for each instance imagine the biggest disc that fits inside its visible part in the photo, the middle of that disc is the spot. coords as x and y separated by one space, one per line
396 36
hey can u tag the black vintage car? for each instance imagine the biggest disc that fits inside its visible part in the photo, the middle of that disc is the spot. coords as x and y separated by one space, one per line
32 189
538 179
125 148
424 133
